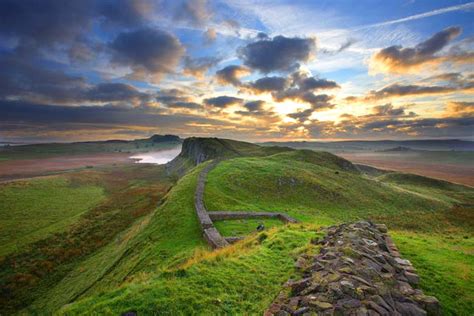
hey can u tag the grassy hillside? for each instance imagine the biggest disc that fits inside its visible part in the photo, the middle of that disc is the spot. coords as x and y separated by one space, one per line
32 209
318 186
165 238
157 261
241 279
318 189
360 145
131 192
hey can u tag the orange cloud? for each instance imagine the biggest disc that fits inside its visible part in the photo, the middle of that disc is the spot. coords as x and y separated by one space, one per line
397 59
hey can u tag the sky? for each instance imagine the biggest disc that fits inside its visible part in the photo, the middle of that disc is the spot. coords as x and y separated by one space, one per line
250 70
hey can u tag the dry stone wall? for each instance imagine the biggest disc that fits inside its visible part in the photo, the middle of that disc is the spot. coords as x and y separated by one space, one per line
358 271
205 218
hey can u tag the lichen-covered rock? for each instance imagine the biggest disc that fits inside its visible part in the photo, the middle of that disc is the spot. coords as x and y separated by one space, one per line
358 271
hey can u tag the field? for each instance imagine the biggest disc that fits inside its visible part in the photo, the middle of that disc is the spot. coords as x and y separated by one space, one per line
30 210
131 253
17 162
243 227
319 189
450 160
54 223
25 168
457 167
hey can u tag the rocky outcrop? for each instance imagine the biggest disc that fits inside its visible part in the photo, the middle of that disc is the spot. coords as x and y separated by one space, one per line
199 149
358 271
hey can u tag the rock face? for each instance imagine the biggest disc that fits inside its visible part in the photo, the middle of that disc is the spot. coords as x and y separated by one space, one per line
205 218
357 272
199 150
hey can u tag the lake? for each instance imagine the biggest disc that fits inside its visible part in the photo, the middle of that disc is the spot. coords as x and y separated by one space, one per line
157 157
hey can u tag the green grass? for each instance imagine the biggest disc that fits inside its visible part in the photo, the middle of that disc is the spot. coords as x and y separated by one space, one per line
32 209
446 266
242 227
158 262
310 190
419 208
241 279
165 238
44 265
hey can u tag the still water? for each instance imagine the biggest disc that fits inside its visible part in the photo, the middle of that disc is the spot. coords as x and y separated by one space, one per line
157 157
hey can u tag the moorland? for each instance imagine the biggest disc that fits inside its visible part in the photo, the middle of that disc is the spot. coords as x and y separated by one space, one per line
118 237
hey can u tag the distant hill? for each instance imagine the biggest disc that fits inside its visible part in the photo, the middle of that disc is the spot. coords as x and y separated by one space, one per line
377 145
45 150
157 262
395 149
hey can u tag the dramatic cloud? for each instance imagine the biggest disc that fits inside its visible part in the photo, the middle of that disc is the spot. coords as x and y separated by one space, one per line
389 110
223 101
23 81
231 75
397 59
459 109
301 116
107 92
268 84
372 126
177 99
127 12
35 120
40 23
399 90
254 106
256 109
299 86
194 12
150 53
277 54
199 66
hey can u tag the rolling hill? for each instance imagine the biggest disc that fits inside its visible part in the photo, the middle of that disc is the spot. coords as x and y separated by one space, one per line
160 263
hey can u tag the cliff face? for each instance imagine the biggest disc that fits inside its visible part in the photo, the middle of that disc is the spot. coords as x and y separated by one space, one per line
199 149
196 150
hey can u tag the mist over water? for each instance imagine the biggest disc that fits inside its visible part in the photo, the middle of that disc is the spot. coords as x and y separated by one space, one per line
157 157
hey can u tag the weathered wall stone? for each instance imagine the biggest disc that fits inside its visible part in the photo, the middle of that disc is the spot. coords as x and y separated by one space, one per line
357 272
210 233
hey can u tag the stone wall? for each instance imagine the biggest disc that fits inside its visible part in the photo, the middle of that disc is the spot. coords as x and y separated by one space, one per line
205 218
358 271
210 233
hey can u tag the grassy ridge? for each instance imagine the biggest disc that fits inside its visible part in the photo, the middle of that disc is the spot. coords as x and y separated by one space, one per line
33 270
241 279
310 190
32 209
165 238
159 263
